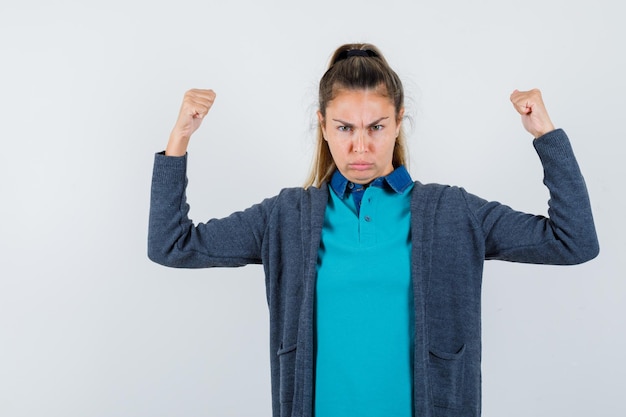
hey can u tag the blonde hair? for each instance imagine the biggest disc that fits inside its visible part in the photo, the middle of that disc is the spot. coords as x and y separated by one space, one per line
355 66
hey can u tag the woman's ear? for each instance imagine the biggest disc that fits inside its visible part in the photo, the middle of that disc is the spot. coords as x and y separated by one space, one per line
399 121
320 120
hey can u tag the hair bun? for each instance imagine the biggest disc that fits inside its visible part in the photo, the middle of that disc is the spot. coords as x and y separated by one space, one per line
355 52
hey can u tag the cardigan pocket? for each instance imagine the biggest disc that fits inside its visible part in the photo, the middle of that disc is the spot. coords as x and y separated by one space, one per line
446 373
287 363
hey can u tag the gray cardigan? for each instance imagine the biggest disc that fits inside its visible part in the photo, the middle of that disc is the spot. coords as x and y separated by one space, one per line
453 232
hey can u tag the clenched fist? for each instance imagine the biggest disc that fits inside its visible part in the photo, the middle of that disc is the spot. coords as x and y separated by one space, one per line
534 114
196 105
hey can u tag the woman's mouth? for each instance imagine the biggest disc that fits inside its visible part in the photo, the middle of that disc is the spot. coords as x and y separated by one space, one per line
360 166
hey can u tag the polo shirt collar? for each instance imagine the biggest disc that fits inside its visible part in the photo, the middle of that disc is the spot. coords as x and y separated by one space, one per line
398 180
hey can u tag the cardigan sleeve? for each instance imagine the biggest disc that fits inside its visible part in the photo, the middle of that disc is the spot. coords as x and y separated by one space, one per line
175 241
566 237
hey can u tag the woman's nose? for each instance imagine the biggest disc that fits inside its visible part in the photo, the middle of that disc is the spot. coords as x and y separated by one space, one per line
359 143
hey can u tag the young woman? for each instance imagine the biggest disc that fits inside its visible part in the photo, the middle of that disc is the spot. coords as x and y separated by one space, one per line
373 279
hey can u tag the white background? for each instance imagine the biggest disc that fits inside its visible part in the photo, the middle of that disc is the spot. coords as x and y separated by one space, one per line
90 327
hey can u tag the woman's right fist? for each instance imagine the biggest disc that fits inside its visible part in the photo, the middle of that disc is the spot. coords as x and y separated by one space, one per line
196 105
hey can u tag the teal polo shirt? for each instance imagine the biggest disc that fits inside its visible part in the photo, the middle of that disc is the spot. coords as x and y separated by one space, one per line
363 305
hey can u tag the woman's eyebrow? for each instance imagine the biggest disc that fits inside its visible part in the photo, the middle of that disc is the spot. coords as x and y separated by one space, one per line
374 123
377 121
342 122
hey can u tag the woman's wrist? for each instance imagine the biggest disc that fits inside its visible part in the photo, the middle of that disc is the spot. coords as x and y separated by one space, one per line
177 145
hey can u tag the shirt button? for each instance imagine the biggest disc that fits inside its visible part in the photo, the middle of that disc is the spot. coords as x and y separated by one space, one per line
367 218
350 185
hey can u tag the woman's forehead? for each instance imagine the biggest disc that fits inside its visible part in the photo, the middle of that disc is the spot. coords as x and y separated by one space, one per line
354 99
380 90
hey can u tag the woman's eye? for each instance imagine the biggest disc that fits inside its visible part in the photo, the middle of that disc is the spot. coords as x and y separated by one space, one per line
344 128
377 127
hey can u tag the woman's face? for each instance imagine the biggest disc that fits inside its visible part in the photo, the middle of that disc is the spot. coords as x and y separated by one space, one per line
361 128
